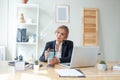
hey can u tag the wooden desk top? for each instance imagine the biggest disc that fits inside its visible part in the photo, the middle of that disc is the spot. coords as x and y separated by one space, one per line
45 73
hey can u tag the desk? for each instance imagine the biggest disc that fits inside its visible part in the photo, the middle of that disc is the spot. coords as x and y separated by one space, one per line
9 73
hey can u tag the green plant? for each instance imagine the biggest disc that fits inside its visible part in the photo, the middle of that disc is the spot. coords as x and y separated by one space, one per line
36 62
102 62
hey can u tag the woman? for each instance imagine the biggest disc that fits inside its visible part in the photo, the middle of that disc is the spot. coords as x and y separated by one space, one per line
61 46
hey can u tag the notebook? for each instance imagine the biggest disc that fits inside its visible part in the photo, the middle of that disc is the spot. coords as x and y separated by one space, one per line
83 57
70 72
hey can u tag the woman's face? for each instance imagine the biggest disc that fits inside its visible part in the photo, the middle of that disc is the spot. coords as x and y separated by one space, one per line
60 35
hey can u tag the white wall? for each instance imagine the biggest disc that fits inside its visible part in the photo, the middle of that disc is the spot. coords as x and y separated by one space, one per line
3 22
109 18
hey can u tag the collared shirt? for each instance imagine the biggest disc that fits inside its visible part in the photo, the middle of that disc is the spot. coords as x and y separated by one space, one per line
58 51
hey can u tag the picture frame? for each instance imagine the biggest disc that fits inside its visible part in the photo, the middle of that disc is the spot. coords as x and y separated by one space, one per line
62 13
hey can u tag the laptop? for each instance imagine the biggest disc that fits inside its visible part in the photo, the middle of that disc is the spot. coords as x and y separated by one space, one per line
83 57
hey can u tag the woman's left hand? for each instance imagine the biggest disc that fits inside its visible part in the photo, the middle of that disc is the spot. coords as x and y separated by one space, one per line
54 61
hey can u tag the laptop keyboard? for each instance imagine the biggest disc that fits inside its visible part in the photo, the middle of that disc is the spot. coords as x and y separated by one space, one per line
68 64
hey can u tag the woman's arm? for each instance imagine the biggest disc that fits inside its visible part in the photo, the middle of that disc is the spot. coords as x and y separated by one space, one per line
42 57
49 45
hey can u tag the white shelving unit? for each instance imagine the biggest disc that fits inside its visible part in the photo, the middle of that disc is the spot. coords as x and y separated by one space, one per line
29 47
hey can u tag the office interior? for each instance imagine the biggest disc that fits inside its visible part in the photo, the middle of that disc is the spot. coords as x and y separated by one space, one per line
108 25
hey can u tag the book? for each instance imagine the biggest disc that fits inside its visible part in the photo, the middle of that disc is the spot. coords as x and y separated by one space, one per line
12 63
19 39
70 72
21 35
116 67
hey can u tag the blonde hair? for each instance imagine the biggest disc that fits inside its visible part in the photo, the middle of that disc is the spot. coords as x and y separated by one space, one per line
65 28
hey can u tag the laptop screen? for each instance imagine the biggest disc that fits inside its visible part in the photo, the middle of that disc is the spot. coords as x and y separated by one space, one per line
83 56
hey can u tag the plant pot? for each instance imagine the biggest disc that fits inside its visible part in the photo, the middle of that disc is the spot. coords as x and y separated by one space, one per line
36 67
102 67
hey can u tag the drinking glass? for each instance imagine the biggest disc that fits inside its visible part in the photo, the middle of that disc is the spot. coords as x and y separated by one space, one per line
51 55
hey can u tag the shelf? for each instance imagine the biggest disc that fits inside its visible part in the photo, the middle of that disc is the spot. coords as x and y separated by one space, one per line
27 5
26 43
27 24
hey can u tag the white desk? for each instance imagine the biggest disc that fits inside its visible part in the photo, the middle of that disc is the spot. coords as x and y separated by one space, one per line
8 73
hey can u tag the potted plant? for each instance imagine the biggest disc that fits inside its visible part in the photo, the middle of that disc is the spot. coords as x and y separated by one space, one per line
102 65
36 65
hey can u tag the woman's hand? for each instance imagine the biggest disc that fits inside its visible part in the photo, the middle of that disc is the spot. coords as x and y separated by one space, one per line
54 61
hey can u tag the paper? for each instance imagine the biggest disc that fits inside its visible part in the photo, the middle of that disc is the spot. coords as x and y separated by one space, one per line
69 73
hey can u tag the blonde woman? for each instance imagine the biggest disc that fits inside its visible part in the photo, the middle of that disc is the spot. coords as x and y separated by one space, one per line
61 46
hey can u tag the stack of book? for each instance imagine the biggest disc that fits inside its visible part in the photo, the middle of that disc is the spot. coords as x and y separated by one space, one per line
116 67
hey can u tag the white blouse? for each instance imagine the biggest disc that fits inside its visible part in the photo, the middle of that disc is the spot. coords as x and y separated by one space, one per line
58 51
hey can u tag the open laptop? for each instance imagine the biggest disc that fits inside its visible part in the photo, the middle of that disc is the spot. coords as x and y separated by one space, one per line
83 57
